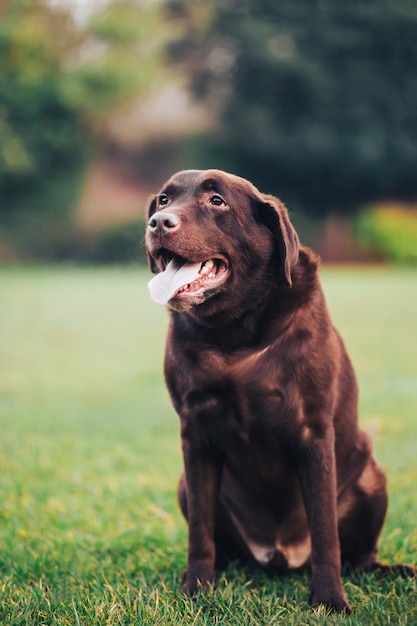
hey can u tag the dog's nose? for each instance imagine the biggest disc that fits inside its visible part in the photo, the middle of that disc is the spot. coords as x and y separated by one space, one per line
163 222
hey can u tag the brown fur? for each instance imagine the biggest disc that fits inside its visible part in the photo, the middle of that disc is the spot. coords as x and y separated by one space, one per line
277 472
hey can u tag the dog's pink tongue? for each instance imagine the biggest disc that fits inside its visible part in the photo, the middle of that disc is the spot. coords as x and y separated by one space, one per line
164 285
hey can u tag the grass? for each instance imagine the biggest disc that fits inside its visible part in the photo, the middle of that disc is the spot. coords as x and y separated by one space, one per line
90 532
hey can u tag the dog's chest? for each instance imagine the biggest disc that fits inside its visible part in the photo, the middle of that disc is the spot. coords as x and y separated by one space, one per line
237 400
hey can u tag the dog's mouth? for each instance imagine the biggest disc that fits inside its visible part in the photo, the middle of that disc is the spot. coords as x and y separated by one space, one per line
188 281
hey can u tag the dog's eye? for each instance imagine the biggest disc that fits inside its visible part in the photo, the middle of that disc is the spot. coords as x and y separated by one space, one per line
217 200
163 199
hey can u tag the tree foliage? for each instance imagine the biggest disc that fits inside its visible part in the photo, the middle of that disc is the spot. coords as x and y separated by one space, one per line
58 83
318 98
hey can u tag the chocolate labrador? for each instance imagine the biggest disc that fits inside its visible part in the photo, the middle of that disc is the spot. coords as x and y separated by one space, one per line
276 471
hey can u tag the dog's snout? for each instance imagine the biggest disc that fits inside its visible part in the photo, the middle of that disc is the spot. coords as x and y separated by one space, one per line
163 222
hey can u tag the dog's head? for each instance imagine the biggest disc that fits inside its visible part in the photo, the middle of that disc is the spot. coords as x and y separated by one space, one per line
215 241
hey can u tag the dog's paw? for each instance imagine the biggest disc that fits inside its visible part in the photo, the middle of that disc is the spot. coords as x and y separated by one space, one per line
192 584
336 602
392 571
332 598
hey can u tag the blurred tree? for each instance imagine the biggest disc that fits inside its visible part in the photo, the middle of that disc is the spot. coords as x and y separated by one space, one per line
318 98
58 83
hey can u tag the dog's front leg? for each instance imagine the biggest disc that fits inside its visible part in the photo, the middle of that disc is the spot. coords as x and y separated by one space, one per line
202 473
318 484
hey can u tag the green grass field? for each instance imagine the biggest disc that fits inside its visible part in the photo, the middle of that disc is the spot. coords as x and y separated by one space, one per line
90 532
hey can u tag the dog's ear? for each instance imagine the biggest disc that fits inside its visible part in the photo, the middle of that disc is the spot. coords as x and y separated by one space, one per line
150 211
274 215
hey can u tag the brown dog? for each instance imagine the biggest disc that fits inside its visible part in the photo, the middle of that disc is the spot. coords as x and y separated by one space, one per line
277 472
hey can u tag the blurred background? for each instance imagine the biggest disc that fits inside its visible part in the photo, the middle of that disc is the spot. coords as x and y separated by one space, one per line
100 101
315 101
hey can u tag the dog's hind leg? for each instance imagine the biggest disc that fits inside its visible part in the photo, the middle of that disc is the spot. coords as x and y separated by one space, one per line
361 514
362 510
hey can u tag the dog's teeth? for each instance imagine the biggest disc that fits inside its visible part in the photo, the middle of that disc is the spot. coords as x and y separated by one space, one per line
207 266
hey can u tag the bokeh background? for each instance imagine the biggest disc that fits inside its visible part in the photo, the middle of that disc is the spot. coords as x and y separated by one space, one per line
313 100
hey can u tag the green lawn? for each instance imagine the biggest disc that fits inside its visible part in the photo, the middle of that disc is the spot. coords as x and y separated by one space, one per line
90 532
